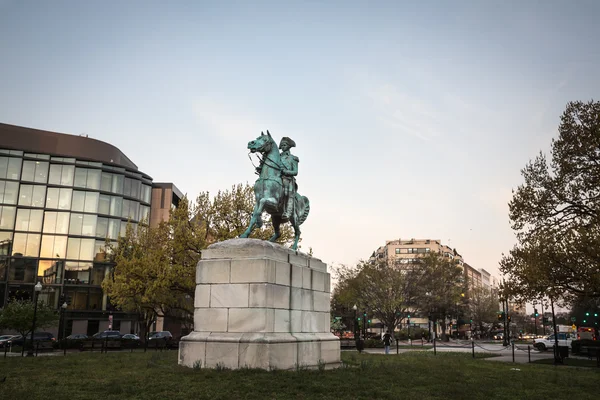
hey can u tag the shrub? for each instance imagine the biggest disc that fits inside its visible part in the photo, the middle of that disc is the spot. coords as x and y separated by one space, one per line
579 346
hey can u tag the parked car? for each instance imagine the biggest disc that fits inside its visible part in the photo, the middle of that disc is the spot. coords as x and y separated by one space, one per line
162 339
130 340
41 340
107 335
564 339
5 339
74 341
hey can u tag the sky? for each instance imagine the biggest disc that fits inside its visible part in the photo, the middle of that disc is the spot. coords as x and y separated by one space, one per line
411 119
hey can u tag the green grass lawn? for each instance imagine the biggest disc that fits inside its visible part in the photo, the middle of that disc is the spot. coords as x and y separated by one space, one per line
419 375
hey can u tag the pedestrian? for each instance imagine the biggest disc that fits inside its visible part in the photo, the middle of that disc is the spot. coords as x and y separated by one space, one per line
387 340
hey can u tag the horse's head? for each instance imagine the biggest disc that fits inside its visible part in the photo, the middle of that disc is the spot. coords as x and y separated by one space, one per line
262 144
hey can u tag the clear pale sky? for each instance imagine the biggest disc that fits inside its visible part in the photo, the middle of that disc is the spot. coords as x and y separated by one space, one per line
411 120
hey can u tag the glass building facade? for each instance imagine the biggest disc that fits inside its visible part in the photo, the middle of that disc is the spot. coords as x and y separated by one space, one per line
56 212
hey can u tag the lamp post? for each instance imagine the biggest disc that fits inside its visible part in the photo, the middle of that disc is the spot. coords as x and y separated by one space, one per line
355 308
38 289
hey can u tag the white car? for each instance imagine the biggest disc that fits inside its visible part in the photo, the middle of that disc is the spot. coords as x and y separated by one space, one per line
564 339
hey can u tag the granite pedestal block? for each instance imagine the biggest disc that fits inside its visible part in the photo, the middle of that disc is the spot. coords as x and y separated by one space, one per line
260 305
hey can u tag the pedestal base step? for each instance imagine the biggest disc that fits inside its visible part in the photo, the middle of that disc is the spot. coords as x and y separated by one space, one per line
268 351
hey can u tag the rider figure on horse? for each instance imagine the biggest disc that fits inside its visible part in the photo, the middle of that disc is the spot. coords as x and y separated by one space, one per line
288 176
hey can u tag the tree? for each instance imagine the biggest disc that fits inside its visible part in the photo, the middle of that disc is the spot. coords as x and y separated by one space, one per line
556 214
385 291
442 292
483 308
155 268
139 281
17 315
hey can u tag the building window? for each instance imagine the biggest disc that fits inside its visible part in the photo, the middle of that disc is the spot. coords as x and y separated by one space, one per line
26 244
10 168
50 271
7 217
22 270
397 251
85 202
80 249
61 175
49 296
9 192
146 194
20 292
35 171
5 245
116 206
77 273
56 222
38 156
83 225
130 209
29 220
32 196
87 178
145 214
53 246
59 198
3 269
78 296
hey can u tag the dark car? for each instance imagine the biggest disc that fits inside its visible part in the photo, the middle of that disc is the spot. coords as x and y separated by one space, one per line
107 335
5 339
41 340
130 341
162 339
74 341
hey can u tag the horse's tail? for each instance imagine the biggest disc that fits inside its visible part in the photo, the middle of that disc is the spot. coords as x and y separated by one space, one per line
304 210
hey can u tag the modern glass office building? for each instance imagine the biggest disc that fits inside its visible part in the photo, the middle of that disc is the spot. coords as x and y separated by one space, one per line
61 196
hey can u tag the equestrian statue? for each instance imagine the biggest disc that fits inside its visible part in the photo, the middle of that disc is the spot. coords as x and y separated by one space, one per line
276 189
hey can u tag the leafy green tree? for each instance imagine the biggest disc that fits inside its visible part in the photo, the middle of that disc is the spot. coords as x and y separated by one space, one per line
483 309
139 281
556 214
442 292
155 268
17 315
385 291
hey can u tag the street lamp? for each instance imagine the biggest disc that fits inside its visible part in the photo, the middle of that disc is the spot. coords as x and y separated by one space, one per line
355 308
38 289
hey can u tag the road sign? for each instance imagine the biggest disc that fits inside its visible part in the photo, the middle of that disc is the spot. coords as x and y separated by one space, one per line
574 327
573 319
110 322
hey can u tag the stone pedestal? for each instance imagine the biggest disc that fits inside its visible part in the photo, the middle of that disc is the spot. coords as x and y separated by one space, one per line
260 305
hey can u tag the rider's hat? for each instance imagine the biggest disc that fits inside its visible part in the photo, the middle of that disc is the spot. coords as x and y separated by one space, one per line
287 140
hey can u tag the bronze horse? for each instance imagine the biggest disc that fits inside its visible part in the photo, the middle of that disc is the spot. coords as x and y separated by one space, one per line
269 193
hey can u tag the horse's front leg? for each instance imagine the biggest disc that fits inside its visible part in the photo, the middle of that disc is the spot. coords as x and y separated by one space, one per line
276 223
258 209
296 233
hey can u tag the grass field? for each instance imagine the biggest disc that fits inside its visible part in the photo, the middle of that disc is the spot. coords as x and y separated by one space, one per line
419 375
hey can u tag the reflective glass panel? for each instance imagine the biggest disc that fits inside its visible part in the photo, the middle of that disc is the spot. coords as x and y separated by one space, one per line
104 204
78 296
32 195
117 184
5 245
93 179
29 220
77 273
95 298
9 192
91 202
53 246
102 227
100 251
116 206
3 270
22 270
35 171
7 217
20 292
89 225
78 201
49 296
56 222
80 177
54 175
13 170
114 227
50 271
59 198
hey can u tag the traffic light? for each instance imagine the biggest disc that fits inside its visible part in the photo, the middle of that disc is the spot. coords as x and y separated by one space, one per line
536 312
359 318
587 314
369 321
595 314
508 318
500 316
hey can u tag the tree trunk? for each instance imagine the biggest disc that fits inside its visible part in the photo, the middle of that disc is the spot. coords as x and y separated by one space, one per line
443 325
